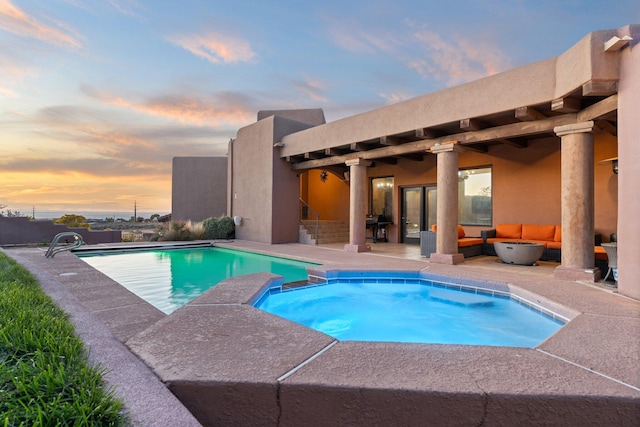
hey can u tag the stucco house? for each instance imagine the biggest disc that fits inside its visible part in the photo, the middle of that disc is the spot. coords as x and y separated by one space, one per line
533 145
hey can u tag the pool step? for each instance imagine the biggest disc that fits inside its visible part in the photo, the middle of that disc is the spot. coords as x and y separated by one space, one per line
460 298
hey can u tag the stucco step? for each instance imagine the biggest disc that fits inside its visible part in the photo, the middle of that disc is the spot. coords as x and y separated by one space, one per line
328 232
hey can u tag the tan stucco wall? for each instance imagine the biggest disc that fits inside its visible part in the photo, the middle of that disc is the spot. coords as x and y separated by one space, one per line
264 191
199 188
629 175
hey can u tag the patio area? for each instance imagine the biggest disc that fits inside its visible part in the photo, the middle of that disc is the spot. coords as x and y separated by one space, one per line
585 373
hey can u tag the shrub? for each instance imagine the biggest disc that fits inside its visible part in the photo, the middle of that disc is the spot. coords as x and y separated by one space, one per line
173 231
219 228
71 220
197 230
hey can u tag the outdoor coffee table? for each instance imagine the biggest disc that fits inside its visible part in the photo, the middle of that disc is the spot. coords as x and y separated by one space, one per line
521 253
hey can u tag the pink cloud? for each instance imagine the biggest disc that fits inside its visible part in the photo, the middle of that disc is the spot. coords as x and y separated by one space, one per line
16 21
456 60
312 88
215 47
349 36
224 108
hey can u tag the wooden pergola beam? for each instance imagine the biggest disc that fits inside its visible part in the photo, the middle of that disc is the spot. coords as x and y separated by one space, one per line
527 114
390 140
565 105
426 133
491 134
599 110
471 125
334 151
313 155
359 146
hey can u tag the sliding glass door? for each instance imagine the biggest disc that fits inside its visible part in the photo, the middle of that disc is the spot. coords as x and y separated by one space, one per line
418 212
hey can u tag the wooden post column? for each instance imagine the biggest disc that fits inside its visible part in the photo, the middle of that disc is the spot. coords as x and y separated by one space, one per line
357 205
577 202
447 200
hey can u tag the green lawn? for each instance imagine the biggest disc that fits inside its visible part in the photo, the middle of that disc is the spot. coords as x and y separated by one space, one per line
45 378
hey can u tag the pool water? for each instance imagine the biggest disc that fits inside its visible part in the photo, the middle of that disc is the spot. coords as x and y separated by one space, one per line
418 313
169 278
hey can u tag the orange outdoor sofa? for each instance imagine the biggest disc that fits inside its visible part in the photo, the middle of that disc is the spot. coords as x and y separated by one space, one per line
468 246
548 235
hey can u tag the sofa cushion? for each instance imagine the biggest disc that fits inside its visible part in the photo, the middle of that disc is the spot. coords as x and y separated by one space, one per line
434 228
600 253
538 232
509 231
469 241
554 245
558 234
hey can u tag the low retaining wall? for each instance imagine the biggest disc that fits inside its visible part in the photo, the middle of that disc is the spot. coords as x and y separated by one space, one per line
22 230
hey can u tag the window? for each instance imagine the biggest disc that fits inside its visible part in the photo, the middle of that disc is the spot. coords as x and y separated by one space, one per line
382 197
474 196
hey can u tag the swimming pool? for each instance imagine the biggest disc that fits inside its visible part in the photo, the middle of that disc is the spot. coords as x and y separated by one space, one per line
169 278
411 309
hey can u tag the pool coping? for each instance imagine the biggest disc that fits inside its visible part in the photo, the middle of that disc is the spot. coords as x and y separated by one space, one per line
583 372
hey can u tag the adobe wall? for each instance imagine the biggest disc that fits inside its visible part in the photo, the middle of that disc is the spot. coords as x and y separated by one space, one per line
629 165
198 188
22 231
264 191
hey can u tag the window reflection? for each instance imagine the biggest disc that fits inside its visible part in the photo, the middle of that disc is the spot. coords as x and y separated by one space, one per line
474 196
382 197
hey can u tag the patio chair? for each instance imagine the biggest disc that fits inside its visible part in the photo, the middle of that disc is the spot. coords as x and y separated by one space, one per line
612 255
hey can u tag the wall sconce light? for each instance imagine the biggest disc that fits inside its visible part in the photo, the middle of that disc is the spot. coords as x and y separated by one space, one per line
614 163
616 43
323 176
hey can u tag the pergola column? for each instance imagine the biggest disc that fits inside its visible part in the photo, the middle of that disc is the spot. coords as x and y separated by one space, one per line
357 205
447 204
577 195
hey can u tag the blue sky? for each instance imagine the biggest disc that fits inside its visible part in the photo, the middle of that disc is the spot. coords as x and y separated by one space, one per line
97 96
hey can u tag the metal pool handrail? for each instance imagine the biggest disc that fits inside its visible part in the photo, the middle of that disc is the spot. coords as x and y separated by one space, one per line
54 250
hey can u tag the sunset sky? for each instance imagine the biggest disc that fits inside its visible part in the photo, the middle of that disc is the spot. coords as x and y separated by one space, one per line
97 96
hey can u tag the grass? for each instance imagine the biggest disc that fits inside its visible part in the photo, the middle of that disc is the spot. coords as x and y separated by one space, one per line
45 377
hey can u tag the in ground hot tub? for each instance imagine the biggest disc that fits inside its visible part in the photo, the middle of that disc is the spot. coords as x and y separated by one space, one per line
404 307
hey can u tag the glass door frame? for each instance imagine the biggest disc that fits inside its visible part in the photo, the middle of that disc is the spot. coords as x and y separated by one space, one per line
426 211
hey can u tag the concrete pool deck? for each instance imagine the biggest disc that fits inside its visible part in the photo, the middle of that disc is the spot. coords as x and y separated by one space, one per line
233 364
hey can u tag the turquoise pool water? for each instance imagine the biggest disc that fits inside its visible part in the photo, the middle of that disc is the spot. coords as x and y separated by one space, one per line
418 311
170 278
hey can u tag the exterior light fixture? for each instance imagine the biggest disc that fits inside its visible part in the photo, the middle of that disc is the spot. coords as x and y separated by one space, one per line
323 176
614 163
616 43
